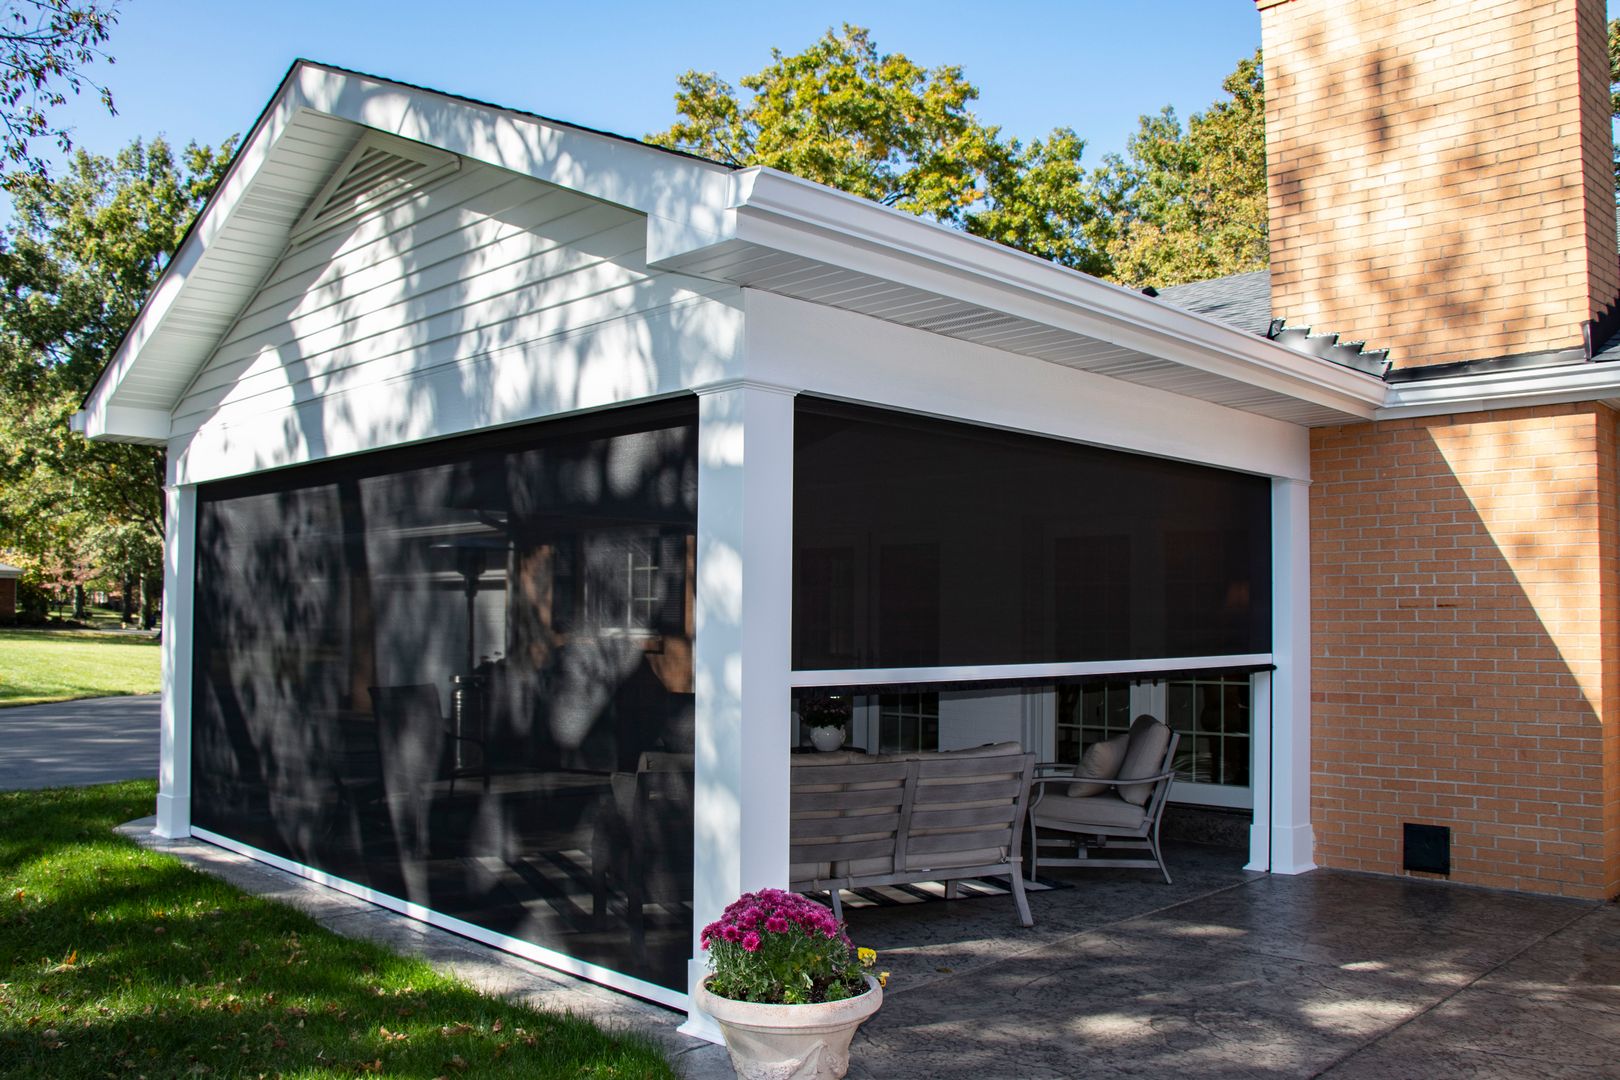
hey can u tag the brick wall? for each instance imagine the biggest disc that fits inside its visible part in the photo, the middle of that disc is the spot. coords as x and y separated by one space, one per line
8 597
1439 173
1466 666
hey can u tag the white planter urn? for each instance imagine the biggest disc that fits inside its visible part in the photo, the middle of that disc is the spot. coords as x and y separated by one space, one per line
827 738
790 1042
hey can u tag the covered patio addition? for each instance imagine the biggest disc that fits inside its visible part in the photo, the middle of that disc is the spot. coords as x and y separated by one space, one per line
523 480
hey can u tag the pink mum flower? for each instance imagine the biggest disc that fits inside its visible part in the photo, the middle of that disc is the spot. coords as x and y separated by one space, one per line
750 942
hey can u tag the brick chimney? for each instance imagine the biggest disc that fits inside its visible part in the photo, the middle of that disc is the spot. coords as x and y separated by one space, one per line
1440 173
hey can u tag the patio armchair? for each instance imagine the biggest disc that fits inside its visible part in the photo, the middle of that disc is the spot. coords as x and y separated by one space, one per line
1102 815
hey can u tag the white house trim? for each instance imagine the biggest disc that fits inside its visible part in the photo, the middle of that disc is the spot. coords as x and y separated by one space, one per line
1504 390
969 673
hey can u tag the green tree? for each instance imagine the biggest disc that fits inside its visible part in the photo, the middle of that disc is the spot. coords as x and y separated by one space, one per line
882 127
76 261
1184 204
45 47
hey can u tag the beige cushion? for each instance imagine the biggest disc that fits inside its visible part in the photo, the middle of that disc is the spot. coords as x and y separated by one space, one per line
1101 761
1149 739
1101 810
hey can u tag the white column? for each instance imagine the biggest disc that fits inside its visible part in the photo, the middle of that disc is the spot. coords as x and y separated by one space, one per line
1292 842
179 575
742 655
1260 771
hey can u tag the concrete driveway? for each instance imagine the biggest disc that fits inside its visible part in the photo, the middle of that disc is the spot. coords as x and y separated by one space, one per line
93 741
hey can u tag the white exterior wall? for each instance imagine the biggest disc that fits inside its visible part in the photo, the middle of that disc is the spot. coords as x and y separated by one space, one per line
487 299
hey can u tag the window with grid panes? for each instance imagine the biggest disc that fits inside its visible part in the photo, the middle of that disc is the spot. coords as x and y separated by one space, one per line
1090 712
1213 716
908 722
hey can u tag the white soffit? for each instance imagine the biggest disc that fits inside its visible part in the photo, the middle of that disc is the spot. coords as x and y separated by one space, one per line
803 240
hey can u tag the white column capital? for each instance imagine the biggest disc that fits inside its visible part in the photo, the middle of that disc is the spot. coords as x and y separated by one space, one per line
723 386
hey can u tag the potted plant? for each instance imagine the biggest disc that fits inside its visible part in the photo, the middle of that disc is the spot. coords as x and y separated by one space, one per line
787 988
826 719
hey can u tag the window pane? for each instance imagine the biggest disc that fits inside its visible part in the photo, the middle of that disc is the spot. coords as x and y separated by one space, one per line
460 674
920 542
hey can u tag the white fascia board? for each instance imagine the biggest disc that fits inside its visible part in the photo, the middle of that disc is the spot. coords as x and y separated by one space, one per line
214 218
1503 390
646 179
102 422
782 212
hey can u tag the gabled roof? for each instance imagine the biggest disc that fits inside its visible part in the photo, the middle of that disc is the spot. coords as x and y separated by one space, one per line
756 228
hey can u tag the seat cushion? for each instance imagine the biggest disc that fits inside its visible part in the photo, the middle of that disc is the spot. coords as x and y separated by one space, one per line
1101 761
1144 756
1102 810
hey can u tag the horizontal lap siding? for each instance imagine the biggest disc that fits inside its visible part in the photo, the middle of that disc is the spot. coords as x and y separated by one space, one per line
468 285
1464 639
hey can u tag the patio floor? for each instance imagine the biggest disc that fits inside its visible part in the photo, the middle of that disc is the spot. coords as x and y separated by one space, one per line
1223 974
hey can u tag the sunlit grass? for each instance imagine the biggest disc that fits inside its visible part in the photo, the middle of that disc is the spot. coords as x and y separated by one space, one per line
37 666
116 961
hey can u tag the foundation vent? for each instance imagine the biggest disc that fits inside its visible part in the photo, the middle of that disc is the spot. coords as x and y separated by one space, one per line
380 170
1426 849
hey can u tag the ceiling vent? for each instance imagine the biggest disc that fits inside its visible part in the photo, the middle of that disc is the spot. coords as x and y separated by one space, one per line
381 169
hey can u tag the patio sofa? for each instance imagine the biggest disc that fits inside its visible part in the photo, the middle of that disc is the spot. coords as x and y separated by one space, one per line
862 820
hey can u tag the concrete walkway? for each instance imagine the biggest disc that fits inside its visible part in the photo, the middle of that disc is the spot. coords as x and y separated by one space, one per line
93 741
1223 974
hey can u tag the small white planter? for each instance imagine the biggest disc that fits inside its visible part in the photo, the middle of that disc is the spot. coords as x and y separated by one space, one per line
827 738
790 1042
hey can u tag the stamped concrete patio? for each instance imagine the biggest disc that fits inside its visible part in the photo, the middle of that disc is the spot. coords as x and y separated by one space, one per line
1223 974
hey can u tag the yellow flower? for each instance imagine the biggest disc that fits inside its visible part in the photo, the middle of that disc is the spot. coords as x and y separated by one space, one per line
867 957
883 978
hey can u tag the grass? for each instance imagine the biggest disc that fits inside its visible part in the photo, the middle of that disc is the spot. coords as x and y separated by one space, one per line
120 962
38 666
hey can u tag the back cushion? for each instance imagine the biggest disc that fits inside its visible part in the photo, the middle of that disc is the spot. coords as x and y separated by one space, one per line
1101 761
1144 754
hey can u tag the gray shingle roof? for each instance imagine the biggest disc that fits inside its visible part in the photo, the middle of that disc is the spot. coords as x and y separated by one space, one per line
1240 300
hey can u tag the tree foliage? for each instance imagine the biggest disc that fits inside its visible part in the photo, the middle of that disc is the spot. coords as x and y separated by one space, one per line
1185 204
45 48
77 259
882 127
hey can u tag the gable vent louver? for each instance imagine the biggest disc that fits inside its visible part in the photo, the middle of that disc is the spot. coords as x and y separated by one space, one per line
380 170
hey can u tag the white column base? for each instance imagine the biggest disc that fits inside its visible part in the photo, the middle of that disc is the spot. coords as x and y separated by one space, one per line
173 816
1259 847
699 1024
1292 848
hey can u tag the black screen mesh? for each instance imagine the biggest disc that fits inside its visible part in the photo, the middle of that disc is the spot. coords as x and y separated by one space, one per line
461 674
919 542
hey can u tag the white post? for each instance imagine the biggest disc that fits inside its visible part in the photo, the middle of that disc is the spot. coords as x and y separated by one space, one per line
179 575
1292 841
1260 771
742 655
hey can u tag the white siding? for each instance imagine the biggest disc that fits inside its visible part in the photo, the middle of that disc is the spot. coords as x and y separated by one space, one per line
488 298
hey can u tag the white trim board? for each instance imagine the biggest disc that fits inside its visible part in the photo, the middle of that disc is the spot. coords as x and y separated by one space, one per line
970 673
517 946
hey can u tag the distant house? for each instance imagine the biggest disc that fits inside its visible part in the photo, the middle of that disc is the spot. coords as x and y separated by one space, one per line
523 477
9 576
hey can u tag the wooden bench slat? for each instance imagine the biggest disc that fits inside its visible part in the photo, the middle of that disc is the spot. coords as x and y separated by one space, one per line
943 843
846 825
964 817
810 801
960 793
840 851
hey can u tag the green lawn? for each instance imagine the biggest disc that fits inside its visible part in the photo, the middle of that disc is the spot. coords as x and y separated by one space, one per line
59 665
120 962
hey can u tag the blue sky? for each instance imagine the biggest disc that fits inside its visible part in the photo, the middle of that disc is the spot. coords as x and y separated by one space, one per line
202 69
